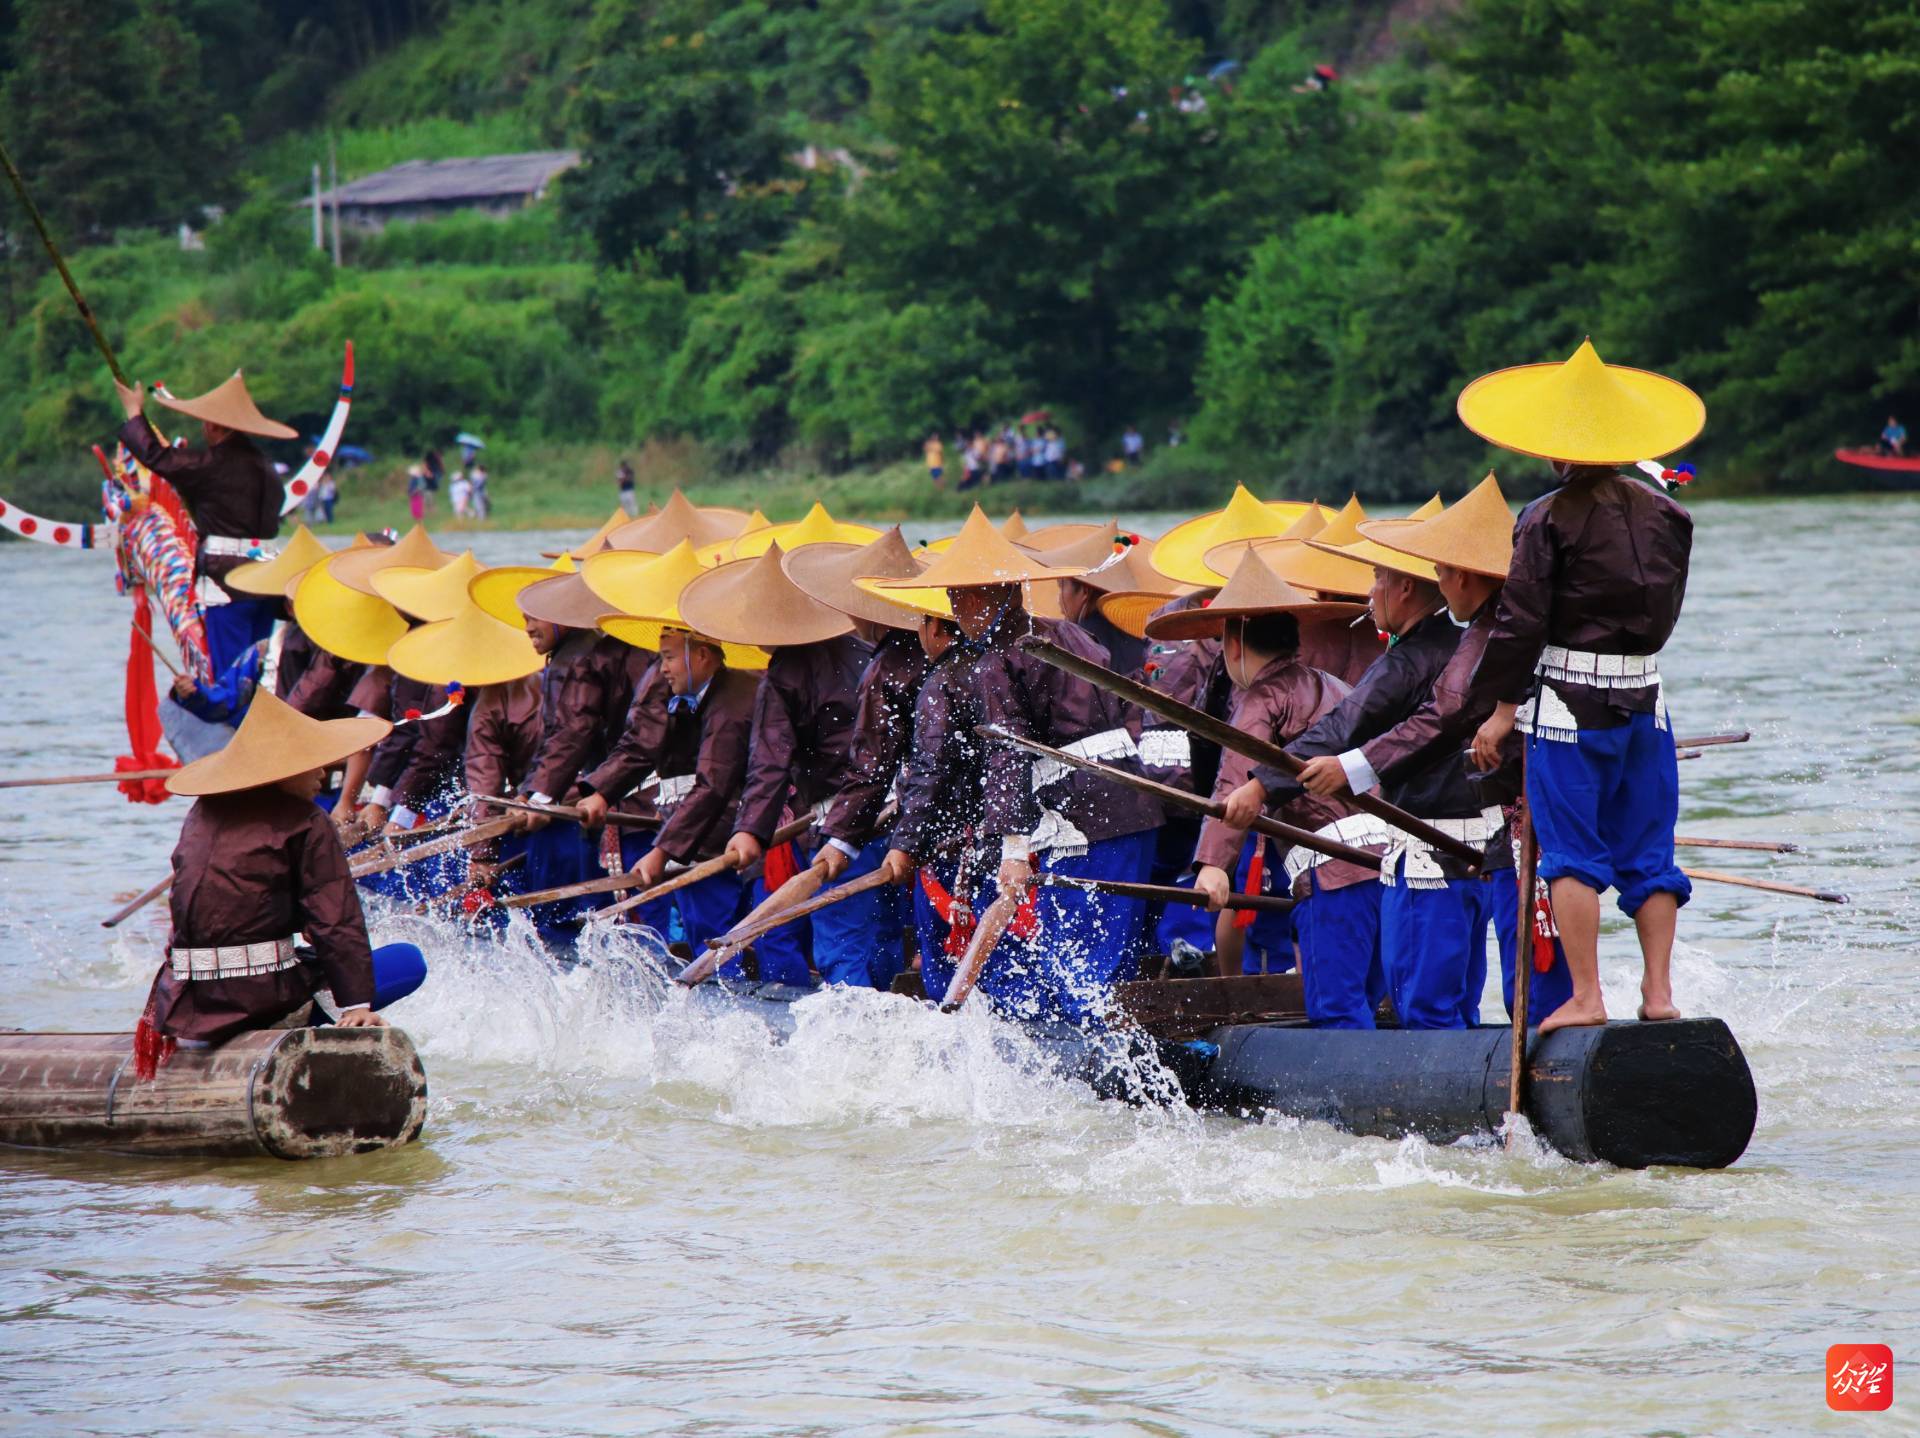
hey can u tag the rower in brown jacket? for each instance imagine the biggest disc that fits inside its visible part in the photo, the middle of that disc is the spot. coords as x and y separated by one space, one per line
257 866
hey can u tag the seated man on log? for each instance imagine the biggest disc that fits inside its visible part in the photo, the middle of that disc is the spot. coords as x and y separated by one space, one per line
258 863
1598 575
1257 620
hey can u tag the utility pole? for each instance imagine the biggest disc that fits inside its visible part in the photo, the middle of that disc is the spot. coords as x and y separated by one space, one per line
319 240
333 178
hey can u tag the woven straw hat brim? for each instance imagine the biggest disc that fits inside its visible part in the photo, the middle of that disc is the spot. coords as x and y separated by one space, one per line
497 590
470 648
827 573
348 624
564 599
922 601
1181 552
1129 610
643 633
751 601
1058 536
275 742
1373 552
1582 411
1485 549
1254 590
271 576
355 568
428 594
1318 570
230 405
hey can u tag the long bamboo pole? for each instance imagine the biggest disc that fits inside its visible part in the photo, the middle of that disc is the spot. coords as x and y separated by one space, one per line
1769 886
136 904
60 263
123 777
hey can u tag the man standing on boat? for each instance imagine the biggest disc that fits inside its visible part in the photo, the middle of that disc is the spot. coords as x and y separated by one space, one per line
1598 576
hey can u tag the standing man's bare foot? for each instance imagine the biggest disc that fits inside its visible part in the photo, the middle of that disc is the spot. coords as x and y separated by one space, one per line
1657 1006
1575 1013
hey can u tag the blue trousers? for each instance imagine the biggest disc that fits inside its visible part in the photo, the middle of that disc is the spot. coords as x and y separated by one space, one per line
1548 990
857 941
1173 857
782 954
1433 947
1339 935
1269 947
398 969
427 879
692 915
1604 808
236 625
1083 942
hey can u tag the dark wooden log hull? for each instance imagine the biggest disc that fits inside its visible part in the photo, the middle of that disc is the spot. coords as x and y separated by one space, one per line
280 1093
1633 1095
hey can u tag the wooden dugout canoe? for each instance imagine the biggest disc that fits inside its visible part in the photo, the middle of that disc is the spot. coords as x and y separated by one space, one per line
1633 1095
279 1093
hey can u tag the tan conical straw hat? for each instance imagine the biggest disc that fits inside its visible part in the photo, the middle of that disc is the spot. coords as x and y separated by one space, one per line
596 541
1476 533
643 591
1086 552
565 600
1058 536
429 594
272 576
1254 590
471 648
678 519
275 741
980 556
818 527
751 601
345 622
1013 527
232 406
1181 553
1223 559
355 568
1370 552
1583 411
1319 570
826 572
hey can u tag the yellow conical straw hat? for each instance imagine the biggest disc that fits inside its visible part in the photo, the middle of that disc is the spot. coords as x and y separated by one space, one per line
1474 534
345 622
721 550
1181 552
275 741
230 405
497 590
594 542
429 594
678 519
1371 553
1583 411
1223 559
828 573
979 556
272 576
471 648
644 592
1254 590
818 527
355 568
1128 610
1304 567
1013 527
751 601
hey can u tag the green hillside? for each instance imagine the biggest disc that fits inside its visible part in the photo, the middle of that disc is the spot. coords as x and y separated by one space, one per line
1116 212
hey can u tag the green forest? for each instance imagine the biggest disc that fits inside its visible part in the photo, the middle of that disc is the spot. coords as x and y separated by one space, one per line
1292 228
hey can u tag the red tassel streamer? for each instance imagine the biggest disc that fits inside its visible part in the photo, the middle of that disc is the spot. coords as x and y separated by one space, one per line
143 712
1256 879
780 864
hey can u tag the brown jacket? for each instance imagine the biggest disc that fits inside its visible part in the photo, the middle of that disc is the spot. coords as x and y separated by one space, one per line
584 694
230 489
325 687
250 867
882 734
1340 647
502 735
710 744
802 731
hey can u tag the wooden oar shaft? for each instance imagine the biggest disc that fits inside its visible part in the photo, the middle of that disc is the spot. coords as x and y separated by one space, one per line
706 869
1714 876
1220 732
572 811
60 263
121 778
966 974
1164 893
725 947
1710 741
1758 846
445 844
1274 828
136 904
1524 882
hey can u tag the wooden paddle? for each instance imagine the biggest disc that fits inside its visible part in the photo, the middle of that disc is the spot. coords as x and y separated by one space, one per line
572 811
724 948
122 778
1713 876
1758 846
986 933
445 844
705 869
1220 732
136 904
1712 741
1165 893
1332 848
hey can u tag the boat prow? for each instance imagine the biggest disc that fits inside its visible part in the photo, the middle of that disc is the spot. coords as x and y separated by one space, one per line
1874 459
281 1093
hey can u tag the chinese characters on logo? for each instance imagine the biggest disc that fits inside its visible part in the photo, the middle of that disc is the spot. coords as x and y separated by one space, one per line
1860 1377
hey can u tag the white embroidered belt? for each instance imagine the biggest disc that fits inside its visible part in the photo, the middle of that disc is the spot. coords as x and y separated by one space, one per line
1107 744
669 792
225 546
1166 749
1598 671
1356 829
1411 861
234 961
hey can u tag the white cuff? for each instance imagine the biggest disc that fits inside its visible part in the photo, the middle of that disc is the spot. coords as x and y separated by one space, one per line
844 847
405 817
351 1007
1015 846
1360 776
545 801
381 795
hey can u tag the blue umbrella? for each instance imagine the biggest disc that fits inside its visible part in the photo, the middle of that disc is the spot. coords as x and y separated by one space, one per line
469 441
